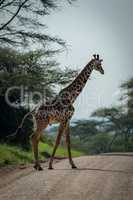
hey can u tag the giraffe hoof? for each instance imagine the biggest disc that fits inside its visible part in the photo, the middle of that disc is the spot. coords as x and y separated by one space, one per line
50 168
35 167
74 167
38 167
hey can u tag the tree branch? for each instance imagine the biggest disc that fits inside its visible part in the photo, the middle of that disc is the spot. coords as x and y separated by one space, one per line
5 5
18 10
1 2
112 141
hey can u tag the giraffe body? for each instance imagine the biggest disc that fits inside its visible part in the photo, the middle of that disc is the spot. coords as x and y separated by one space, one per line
61 110
55 113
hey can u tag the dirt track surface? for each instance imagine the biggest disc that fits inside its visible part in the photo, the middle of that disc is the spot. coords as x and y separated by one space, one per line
97 178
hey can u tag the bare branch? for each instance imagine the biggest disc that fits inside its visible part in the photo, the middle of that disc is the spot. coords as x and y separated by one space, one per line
28 25
1 2
12 18
8 4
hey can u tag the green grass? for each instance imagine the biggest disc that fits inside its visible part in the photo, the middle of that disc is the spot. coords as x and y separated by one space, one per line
14 155
61 151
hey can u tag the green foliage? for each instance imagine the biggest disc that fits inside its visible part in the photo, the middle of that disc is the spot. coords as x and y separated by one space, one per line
61 151
127 95
119 119
99 143
13 155
83 129
86 137
35 70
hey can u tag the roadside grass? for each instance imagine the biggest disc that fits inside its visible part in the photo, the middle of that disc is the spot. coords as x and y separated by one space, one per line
12 155
61 151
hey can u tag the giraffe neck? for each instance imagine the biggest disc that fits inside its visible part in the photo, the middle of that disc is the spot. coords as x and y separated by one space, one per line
72 91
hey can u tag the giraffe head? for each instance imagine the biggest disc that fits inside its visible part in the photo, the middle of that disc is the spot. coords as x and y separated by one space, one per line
97 64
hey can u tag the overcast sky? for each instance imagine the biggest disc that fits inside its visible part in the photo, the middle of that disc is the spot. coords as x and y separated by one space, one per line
104 27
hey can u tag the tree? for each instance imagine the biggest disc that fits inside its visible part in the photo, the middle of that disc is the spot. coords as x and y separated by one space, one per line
83 129
127 99
112 121
99 143
118 119
35 70
82 133
127 95
23 22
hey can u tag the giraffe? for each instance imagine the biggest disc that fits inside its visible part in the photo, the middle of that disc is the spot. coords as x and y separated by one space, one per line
60 110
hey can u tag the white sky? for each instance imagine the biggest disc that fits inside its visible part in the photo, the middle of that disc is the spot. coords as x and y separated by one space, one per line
104 27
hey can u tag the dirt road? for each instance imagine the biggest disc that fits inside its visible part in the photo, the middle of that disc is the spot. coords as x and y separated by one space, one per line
97 178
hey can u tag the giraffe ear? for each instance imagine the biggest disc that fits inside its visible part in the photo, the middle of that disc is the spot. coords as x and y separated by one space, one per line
101 60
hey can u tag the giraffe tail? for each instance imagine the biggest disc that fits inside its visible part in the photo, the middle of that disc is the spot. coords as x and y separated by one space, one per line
22 122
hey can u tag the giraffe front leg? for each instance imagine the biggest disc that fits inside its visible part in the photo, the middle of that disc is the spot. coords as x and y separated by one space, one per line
67 134
60 131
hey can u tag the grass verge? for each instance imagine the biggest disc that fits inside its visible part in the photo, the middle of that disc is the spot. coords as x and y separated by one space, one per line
11 155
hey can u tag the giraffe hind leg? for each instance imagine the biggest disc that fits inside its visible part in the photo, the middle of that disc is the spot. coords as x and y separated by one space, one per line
35 141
